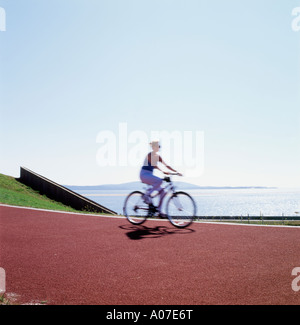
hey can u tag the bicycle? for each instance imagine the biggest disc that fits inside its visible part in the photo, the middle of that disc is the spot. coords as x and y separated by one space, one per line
180 207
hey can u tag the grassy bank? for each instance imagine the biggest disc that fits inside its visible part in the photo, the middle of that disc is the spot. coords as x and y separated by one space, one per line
13 192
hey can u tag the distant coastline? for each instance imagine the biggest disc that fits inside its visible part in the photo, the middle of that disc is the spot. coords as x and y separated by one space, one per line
139 185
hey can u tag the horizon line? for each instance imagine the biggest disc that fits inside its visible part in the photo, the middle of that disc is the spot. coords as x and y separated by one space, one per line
187 183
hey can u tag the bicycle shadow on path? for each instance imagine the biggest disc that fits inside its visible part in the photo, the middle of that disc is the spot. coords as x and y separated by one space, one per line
142 232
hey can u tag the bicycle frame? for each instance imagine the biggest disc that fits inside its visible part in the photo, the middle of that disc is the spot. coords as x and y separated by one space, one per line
170 188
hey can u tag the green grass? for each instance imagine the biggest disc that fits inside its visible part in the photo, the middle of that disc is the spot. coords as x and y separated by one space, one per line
4 300
13 192
8 299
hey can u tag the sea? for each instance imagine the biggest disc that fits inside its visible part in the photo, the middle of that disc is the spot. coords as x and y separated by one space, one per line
220 202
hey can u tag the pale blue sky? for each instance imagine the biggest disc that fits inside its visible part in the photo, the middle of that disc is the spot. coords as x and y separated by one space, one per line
72 68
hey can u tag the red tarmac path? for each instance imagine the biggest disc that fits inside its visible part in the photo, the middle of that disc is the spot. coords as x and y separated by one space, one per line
66 258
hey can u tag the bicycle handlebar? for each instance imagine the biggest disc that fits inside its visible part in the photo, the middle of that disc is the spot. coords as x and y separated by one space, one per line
168 179
174 174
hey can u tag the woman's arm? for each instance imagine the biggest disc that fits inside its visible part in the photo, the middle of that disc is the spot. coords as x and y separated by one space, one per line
169 167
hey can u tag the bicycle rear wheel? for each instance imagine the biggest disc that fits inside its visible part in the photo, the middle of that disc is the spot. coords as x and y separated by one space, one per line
135 209
181 209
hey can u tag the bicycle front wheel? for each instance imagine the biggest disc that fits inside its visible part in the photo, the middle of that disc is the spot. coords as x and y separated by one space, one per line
181 209
135 209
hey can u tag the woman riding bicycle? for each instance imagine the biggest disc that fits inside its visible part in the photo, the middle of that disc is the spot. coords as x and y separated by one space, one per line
146 175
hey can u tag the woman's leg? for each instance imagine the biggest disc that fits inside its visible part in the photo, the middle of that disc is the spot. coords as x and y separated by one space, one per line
148 178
